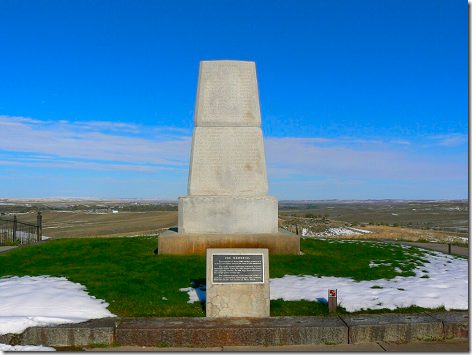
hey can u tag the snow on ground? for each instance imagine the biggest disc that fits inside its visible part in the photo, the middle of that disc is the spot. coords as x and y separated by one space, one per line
5 347
338 231
447 285
195 294
30 301
360 230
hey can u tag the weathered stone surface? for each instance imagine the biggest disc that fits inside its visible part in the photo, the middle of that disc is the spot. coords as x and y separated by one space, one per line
238 299
97 331
231 331
11 339
227 94
369 328
245 331
171 242
228 214
227 185
227 161
456 324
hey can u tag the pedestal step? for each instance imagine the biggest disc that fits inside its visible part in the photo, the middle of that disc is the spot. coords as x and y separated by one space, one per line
282 242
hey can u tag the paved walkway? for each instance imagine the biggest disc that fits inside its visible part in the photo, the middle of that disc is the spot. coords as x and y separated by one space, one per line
444 346
444 248
5 249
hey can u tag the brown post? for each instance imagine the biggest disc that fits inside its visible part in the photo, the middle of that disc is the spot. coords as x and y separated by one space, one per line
39 226
15 226
449 248
332 300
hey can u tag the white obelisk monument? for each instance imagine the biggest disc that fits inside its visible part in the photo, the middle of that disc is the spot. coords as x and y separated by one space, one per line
227 203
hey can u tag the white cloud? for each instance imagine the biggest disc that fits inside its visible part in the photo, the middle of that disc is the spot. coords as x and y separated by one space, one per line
451 139
83 141
114 146
401 142
294 156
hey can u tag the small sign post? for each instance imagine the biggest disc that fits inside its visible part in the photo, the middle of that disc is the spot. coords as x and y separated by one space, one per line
332 300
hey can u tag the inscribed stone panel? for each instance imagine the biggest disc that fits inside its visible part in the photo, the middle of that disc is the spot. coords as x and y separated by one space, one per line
227 161
227 94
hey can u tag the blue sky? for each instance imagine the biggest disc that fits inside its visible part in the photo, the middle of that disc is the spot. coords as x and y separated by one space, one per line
359 99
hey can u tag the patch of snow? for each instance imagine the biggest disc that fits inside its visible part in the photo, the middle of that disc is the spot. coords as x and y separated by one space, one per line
341 231
375 263
334 232
359 230
5 347
43 237
138 235
446 286
196 294
30 301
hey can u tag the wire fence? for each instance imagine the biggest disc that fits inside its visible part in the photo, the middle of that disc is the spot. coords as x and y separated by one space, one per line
14 232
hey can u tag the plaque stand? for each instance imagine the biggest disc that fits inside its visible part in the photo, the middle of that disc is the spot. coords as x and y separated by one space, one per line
237 283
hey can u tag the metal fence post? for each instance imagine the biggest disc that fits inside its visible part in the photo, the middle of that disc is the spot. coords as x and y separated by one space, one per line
39 227
15 225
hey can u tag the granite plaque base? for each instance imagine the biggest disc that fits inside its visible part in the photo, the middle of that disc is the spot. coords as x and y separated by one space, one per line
228 214
282 242
237 283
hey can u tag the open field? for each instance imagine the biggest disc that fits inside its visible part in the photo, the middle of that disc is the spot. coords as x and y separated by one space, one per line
67 218
441 215
77 224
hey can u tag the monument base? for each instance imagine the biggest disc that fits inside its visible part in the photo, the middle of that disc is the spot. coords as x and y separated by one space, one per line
283 242
228 214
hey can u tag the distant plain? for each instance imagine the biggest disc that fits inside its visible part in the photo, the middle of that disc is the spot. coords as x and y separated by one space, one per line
75 218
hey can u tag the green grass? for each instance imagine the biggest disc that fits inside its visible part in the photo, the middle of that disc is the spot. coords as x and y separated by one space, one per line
123 271
279 308
410 309
348 259
128 274
98 345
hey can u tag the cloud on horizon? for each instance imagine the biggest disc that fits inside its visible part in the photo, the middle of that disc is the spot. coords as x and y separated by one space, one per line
126 147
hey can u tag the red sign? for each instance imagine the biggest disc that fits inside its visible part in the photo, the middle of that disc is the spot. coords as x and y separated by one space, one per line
332 293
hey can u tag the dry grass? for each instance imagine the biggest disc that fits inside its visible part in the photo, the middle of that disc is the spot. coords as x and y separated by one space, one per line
83 224
408 234
79 224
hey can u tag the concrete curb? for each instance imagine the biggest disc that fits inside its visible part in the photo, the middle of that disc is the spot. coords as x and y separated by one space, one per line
96 331
219 332
209 332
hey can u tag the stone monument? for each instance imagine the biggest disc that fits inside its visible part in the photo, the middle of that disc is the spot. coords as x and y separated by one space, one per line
227 203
